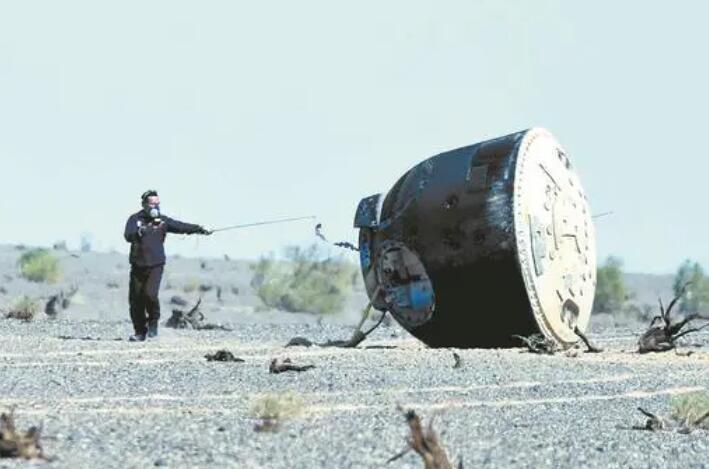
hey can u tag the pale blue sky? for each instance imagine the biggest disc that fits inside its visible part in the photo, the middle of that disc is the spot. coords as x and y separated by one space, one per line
241 111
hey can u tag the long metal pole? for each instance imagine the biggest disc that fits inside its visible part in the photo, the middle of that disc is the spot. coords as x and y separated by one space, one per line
269 222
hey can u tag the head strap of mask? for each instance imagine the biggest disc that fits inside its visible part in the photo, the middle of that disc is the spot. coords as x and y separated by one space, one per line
148 193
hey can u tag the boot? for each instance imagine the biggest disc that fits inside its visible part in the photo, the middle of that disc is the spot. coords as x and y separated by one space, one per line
137 338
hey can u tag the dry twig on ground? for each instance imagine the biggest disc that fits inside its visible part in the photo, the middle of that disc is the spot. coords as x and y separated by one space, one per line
590 348
537 343
60 302
299 342
193 319
223 356
278 366
88 337
267 425
24 309
425 443
653 422
178 301
358 336
18 444
663 333
458 362
690 412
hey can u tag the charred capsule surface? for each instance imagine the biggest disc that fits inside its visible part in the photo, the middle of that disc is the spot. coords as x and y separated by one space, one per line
481 243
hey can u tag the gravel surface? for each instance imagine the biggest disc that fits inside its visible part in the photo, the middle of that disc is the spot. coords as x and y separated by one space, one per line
111 403
105 402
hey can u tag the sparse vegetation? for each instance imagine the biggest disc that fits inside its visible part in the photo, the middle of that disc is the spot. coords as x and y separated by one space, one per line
302 282
278 406
689 412
692 408
611 292
271 409
18 444
39 265
191 286
23 309
696 297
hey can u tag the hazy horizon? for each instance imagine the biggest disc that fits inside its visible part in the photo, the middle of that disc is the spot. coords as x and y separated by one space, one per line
238 113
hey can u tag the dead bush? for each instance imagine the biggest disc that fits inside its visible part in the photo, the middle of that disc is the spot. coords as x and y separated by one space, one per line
223 356
23 309
664 332
688 413
19 444
425 443
192 319
271 409
693 409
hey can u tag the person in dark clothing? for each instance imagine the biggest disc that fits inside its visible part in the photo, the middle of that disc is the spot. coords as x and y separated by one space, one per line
146 232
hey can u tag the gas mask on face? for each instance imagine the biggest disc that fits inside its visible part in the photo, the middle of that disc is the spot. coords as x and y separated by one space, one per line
153 213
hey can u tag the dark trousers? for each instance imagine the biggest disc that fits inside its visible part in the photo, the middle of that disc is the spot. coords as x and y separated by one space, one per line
143 296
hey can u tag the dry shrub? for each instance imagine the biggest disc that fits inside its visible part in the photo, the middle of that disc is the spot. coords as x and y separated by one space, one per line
303 282
23 309
191 286
691 408
39 265
426 443
18 444
278 406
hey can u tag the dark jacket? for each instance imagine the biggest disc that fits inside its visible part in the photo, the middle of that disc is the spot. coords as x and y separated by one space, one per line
146 245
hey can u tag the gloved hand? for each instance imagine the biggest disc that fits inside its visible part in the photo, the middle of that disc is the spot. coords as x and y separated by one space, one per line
141 230
204 231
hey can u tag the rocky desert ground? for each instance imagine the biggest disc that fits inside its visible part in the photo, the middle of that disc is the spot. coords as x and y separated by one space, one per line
105 402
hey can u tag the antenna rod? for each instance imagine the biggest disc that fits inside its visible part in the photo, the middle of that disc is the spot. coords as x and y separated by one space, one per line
602 215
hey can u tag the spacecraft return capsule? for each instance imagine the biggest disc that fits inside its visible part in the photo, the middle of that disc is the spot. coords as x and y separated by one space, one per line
478 244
